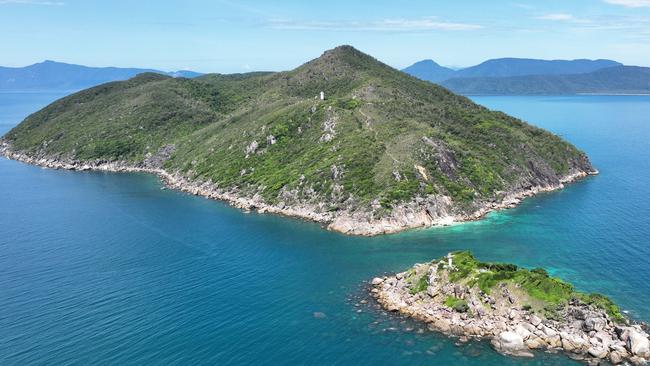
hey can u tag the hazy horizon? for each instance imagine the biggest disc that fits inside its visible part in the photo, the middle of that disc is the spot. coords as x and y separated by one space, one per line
454 67
226 36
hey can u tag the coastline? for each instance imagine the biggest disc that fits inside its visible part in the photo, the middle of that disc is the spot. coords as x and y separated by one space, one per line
403 217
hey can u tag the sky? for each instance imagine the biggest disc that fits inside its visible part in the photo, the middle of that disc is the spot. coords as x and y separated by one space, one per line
238 36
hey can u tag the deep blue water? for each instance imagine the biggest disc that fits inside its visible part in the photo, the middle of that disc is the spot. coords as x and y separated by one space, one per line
99 268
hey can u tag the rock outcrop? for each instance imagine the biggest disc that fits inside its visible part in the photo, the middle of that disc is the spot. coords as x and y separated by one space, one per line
458 295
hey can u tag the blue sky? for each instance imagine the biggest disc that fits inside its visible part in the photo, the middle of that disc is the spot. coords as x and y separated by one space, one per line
236 36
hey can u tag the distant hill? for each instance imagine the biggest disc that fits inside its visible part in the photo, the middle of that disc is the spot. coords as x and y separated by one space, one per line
613 80
181 74
429 70
61 76
503 67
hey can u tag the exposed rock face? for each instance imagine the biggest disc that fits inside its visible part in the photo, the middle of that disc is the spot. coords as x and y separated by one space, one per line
511 343
585 332
329 125
251 148
638 343
443 156
158 159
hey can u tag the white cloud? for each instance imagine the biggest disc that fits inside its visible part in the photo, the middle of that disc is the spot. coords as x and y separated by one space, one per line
524 6
621 26
564 17
31 2
630 3
557 16
388 25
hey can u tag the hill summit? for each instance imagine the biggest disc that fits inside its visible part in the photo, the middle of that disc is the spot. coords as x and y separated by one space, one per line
429 70
343 139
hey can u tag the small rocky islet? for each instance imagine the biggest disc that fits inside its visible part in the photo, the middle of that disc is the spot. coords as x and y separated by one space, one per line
518 310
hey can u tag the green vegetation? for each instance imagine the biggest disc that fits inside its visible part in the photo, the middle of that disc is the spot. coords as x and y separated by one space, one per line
420 285
603 302
546 294
378 135
458 305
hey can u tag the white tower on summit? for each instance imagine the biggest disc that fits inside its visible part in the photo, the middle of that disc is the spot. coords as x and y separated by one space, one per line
322 95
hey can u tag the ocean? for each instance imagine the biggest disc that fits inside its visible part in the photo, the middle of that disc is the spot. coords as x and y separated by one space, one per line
110 269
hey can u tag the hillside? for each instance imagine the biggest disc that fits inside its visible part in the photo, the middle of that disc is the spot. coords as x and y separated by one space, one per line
381 153
51 75
505 67
612 80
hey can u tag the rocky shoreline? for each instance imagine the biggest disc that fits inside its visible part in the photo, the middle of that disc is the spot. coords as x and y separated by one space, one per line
584 331
404 217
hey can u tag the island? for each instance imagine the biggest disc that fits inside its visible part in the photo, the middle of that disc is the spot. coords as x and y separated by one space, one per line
51 75
517 76
343 140
517 309
616 80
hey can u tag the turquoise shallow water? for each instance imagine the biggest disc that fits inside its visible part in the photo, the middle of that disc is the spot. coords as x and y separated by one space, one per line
102 268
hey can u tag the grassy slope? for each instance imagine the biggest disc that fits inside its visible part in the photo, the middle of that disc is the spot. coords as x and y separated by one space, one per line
545 293
118 120
380 117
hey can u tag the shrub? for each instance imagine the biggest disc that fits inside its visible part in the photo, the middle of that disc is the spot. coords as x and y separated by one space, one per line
420 285
458 305
540 271
604 303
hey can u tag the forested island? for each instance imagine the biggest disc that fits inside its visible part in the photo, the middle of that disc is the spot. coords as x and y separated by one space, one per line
611 80
520 76
343 140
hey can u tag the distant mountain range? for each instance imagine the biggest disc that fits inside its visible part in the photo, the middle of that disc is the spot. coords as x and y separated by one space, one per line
52 75
503 67
611 80
510 76
503 76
